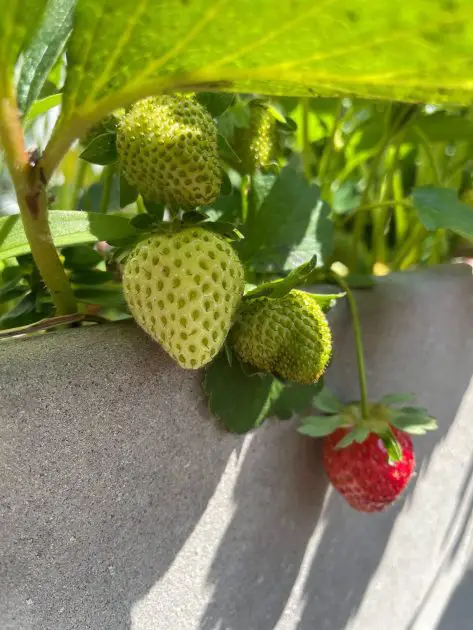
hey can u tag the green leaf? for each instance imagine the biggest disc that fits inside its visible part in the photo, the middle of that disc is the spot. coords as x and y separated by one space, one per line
44 50
108 296
91 276
346 197
396 399
81 257
318 426
121 50
440 208
24 312
156 210
291 226
18 21
128 193
294 399
68 227
225 384
216 103
102 150
282 286
327 402
41 107
143 221
11 294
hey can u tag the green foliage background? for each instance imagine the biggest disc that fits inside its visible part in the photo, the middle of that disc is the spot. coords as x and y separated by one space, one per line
371 172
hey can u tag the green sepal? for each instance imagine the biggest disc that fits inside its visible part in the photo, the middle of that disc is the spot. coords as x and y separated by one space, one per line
319 426
392 446
357 434
397 398
327 402
102 150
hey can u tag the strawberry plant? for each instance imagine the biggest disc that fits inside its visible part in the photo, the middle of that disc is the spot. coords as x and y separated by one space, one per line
201 166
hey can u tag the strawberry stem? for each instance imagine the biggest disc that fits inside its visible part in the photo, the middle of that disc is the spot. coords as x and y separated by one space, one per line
358 342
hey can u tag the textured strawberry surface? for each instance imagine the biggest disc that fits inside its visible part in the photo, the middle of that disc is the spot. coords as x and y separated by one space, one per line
168 149
183 290
288 336
363 474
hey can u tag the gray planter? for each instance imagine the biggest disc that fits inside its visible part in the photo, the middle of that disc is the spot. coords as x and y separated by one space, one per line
123 506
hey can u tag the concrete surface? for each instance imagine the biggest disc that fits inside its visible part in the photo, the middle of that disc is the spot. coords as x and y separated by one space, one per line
124 507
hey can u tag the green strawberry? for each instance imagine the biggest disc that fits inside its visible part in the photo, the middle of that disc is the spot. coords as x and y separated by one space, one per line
167 147
183 290
263 137
288 336
257 143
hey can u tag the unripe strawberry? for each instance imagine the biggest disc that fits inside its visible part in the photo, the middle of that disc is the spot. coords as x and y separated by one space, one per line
288 336
183 290
167 147
256 144
262 137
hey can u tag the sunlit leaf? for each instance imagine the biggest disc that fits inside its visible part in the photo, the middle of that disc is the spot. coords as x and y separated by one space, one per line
68 228
44 50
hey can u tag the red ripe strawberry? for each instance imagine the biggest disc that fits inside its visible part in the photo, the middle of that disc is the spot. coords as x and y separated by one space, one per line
363 473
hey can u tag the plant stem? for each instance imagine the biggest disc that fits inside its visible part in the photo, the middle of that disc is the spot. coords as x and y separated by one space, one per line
32 200
417 235
306 151
384 203
430 156
380 219
107 180
326 158
81 172
52 322
360 358
244 190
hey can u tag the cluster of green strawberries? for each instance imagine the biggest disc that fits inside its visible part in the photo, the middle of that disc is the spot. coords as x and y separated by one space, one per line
185 287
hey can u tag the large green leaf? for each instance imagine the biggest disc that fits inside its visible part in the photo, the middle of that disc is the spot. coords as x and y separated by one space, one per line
68 228
225 384
43 51
290 226
18 21
439 208
125 49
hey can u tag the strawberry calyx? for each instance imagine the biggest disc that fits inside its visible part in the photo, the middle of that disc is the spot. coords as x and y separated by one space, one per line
380 419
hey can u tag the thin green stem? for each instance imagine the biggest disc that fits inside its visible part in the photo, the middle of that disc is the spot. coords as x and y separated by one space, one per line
360 218
244 190
429 154
394 128
81 172
306 151
415 238
326 158
385 203
380 219
52 322
32 199
107 180
360 358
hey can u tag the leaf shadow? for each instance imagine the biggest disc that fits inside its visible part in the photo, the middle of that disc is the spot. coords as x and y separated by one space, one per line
279 496
107 471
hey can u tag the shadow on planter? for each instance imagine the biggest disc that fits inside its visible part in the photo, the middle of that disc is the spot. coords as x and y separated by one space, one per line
124 507
410 346
110 462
